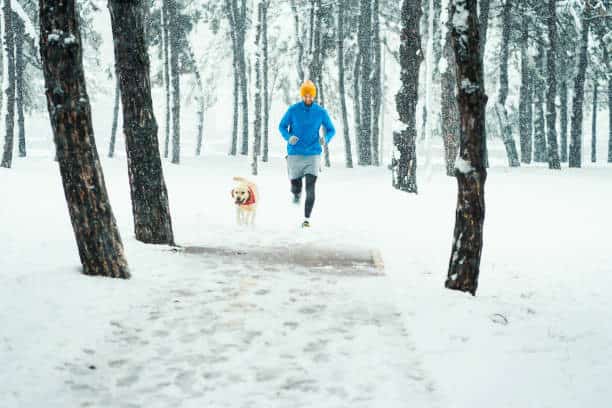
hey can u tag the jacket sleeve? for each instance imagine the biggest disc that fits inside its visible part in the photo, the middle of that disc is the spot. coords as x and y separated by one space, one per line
285 125
330 130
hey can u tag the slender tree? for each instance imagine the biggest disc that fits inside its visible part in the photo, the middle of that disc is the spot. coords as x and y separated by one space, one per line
464 264
111 147
539 128
193 63
9 41
266 90
525 93
166 63
258 90
551 109
356 100
563 99
411 56
364 140
174 42
98 241
449 112
348 156
376 82
609 66
483 26
152 221
19 82
299 42
236 76
500 108
575 149
594 124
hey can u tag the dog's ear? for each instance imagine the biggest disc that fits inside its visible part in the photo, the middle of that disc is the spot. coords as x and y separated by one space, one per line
232 193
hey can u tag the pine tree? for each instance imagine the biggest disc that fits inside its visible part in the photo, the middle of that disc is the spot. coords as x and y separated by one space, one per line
98 241
464 264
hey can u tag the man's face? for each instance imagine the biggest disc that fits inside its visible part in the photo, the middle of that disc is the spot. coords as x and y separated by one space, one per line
308 99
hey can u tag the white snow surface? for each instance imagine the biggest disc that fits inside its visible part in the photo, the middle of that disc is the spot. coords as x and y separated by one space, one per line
192 331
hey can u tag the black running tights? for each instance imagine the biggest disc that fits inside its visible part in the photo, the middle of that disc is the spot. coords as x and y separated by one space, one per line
296 188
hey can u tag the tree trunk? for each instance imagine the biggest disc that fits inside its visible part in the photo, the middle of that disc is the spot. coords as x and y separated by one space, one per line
551 110
7 158
93 222
111 147
525 95
607 58
411 56
563 114
174 40
502 114
365 45
258 89
20 87
240 21
594 124
166 63
348 156
376 87
575 149
266 91
199 100
230 16
449 112
483 25
539 134
464 264
356 104
299 43
152 221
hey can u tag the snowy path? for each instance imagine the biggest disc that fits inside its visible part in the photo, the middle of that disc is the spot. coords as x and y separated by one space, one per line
261 337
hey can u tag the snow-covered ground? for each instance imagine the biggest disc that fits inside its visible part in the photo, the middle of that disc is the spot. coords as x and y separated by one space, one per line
193 330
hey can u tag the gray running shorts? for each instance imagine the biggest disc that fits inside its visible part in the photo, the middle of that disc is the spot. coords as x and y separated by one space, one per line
298 166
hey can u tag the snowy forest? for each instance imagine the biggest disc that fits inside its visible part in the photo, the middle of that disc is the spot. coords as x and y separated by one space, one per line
145 119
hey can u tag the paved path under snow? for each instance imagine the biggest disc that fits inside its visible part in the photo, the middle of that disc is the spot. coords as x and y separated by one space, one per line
257 335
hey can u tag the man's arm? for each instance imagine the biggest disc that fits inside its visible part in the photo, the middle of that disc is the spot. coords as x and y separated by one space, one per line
330 130
285 124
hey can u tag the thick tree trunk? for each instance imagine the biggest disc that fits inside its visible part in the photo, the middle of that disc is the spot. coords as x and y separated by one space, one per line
376 84
152 221
551 110
575 149
348 156
174 40
539 133
95 229
449 112
266 91
594 124
411 56
166 62
111 147
9 40
464 264
365 50
258 90
19 84
505 127
525 95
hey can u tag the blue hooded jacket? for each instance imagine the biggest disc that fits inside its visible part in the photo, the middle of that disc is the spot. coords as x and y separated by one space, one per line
304 122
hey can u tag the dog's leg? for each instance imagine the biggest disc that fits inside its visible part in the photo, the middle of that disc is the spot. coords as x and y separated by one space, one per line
238 220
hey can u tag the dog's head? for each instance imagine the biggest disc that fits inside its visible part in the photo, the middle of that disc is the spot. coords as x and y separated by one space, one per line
241 194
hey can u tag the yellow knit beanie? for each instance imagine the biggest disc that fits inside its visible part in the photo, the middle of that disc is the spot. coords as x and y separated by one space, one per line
308 88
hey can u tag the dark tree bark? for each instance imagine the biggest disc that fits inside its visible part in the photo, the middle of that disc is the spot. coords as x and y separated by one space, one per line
240 22
464 264
539 130
356 98
9 40
364 140
266 91
411 56
236 76
19 84
98 241
174 42
376 83
563 99
449 112
258 90
551 109
348 155
483 24
525 95
152 221
111 147
166 62
575 149
299 43
505 127
607 58
594 124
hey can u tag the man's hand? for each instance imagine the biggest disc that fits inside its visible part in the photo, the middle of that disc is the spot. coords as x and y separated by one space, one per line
293 140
